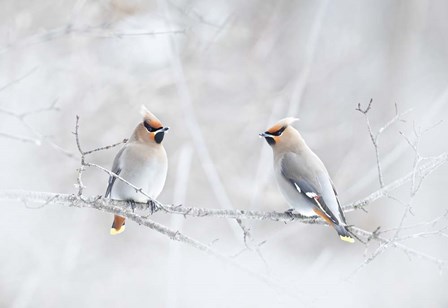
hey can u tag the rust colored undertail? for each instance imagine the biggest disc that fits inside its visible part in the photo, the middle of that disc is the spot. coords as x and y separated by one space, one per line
118 225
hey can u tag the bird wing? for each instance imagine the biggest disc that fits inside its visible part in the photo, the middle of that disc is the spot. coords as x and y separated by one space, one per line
334 187
116 168
309 182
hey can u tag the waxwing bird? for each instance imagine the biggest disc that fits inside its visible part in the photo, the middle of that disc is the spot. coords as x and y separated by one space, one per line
302 177
143 162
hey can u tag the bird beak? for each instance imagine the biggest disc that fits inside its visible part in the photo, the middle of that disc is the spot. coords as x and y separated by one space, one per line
164 129
264 135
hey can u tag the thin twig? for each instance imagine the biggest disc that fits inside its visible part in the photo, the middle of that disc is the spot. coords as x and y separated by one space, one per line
100 31
425 169
107 147
18 80
407 250
20 138
38 137
374 137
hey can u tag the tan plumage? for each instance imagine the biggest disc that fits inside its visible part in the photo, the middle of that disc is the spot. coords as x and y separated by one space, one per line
302 177
143 162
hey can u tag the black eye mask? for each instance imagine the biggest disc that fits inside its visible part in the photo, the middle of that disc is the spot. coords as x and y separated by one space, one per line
277 133
149 128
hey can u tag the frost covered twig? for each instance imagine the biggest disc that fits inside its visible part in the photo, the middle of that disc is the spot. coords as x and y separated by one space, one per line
425 169
374 137
385 243
122 208
422 167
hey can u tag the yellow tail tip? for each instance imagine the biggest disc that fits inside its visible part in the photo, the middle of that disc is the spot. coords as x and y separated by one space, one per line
347 239
114 231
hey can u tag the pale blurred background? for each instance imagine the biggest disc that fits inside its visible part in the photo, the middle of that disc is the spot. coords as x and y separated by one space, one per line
224 72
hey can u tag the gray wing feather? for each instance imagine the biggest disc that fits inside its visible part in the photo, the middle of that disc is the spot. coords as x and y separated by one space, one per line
309 180
334 188
116 168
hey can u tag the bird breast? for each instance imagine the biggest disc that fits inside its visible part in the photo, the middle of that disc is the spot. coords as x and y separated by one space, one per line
145 167
296 200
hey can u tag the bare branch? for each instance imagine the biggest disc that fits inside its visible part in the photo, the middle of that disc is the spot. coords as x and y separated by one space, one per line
424 169
101 31
147 33
18 80
433 222
38 137
107 147
367 109
192 123
310 53
374 137
409 251
119 208
122 208
20 138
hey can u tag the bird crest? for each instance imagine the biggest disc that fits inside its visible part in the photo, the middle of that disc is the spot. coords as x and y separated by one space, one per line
282 123
150 118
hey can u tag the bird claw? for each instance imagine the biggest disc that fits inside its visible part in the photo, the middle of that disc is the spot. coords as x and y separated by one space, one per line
132 205
153 207
290 213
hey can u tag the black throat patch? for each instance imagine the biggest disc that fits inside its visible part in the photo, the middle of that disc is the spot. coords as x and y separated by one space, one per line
159 137
270 141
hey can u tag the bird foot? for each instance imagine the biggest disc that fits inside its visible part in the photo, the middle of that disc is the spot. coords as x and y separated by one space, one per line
153 207
290 213
132 205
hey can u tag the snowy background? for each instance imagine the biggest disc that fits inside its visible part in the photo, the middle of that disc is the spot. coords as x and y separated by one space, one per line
218 73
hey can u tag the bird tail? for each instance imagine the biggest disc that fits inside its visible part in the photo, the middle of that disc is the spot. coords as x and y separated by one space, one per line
118 225
344 233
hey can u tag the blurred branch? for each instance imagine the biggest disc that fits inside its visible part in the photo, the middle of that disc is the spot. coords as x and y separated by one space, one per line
20 138
175 258
295 100
37 138
191 12
101 31
17 80
192 123
310 53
